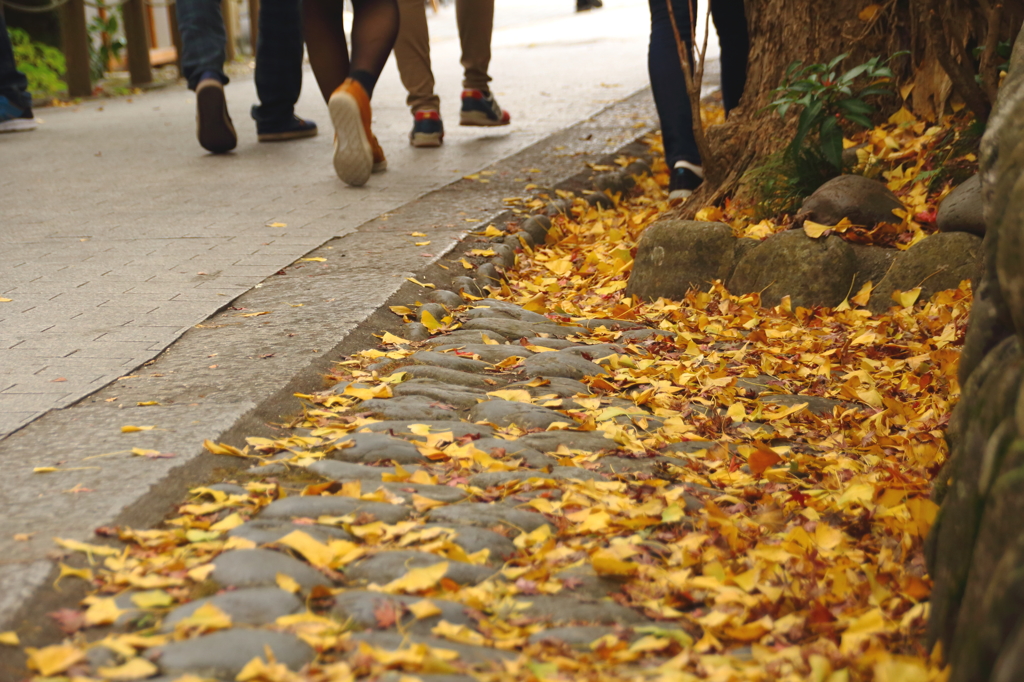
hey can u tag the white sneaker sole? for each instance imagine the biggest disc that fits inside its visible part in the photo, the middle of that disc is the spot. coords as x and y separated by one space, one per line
18 125
353 156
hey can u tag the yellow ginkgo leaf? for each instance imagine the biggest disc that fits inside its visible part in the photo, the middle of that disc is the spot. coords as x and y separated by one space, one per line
53 660
102 612
418 579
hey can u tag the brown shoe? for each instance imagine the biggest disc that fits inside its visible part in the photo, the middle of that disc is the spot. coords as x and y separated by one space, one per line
356 151
214 129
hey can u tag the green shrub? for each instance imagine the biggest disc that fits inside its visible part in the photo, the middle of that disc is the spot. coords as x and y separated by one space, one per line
43 65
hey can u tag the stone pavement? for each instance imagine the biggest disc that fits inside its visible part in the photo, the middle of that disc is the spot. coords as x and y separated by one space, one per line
117 233
175 230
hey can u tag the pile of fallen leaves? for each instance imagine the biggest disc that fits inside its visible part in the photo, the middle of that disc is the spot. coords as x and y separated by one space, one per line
920 162
783 543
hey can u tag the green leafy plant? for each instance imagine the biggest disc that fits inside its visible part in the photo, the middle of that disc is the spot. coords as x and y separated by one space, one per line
828 98
42 64
105 44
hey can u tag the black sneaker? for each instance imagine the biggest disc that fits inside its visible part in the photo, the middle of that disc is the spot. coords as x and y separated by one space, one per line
479 108
289 129
685 178
214 129
584 5
427 129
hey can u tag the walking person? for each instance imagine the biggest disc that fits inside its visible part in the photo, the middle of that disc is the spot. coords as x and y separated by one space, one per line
15 99
668 83
347 83
475 20
278 72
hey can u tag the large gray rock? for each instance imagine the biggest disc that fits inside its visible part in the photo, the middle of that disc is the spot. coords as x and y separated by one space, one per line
259 568
473 539
937 263
447 361
222 655
266 531
487 515
873 263
563 608
255 606
523 415
491 478
561 387
812 272
384 567
488 353
513 330
409 407
312 507
513 449
468 653
963 210
863 200
362 611
458 396
561 363
448 376
371 448
674 256
346 471
587 441
401 428
490 307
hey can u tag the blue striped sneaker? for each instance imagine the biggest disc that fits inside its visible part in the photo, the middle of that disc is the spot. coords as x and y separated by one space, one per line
479 108
14 119
427 129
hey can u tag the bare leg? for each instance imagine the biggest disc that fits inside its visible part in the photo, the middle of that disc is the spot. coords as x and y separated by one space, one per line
374 31
325 40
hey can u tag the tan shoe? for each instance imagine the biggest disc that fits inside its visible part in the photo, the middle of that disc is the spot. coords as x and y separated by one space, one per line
356 151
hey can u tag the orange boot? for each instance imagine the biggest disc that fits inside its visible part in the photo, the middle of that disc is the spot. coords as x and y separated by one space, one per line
356 151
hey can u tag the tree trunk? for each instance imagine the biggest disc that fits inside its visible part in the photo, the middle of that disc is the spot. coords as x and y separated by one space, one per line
812 31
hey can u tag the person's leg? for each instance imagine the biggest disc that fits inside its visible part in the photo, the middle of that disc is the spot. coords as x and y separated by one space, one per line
346 84
476 23
279 72
323 26
13 83
412 56
202 63
731 24
15 99
668 83
202 40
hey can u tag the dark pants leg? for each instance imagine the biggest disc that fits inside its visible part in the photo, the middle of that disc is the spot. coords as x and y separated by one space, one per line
278 60
667 81
13 84
731 24
202 39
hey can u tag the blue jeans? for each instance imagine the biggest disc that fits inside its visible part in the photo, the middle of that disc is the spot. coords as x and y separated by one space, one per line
667 81
13 84
278 52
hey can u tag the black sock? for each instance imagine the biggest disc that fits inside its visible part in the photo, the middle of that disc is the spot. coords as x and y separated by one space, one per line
366 79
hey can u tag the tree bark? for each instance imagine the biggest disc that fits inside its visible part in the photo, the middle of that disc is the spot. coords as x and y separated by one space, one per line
814 31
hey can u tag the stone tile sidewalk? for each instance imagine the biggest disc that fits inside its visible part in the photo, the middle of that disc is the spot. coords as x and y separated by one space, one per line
118 234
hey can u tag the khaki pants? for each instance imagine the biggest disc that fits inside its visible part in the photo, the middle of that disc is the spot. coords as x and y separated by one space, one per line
412 49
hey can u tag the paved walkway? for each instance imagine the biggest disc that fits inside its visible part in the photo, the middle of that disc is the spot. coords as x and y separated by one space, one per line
118 234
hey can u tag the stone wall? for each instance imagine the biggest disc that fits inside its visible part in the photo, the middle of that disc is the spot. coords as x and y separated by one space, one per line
976 548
